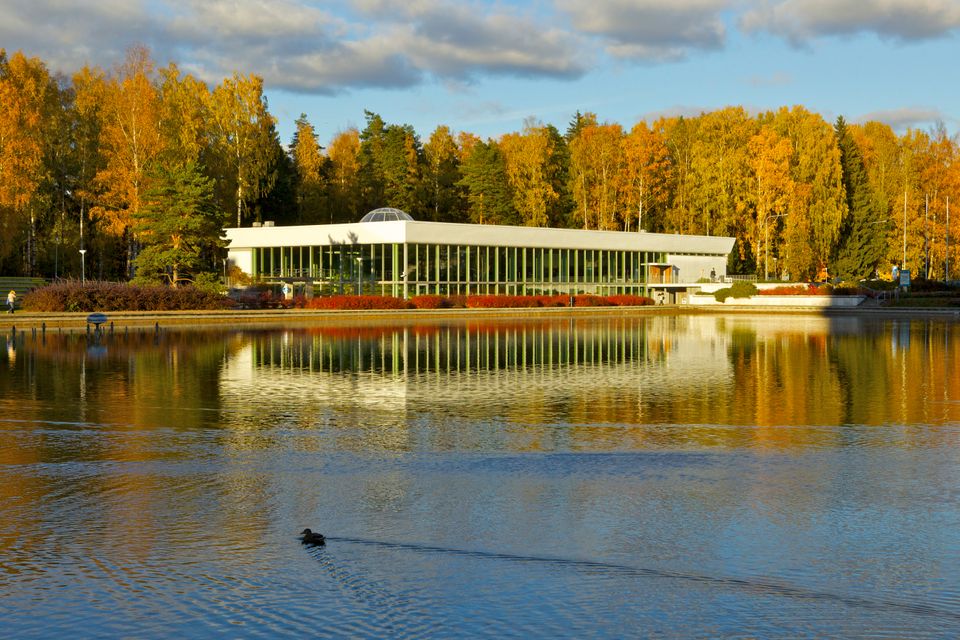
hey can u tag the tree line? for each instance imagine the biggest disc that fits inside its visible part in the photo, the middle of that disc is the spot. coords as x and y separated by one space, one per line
141 166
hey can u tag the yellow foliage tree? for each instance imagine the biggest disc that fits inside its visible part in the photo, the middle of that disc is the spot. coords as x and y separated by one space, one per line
128 106
773 189
647 175
526 156
26 94
597 169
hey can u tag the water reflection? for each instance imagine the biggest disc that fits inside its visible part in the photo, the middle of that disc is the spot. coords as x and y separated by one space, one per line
675 476
629 382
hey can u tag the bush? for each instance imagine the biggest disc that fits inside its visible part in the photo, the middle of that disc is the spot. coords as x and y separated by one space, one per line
431 302
94 295
359 303
738 289
628 300
502 302
796 290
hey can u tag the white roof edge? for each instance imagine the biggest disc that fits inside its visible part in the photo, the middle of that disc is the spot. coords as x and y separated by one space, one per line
401 231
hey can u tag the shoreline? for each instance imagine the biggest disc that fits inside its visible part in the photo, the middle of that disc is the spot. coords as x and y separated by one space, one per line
25 320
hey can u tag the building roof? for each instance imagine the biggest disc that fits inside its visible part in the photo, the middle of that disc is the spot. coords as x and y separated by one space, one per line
413 232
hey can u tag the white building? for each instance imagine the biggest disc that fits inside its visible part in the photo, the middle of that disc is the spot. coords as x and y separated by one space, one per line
389 253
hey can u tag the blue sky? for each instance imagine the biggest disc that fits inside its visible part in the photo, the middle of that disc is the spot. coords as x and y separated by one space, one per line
484 66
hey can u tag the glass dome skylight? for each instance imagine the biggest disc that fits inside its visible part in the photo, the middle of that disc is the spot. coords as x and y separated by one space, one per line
386 214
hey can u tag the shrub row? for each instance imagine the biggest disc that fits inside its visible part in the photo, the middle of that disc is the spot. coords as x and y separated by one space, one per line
72 295
96 295
359 303
746 289
473 302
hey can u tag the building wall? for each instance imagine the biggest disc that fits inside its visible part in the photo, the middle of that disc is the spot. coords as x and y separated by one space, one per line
404 258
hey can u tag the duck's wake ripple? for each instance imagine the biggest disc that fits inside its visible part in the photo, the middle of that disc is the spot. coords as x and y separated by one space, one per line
756 586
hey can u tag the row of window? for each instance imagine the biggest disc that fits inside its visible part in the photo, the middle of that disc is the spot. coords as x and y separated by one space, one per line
399 269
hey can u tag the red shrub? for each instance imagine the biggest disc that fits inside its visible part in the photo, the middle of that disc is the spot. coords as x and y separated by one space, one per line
359 303
502 302
791 290
431 302
628 300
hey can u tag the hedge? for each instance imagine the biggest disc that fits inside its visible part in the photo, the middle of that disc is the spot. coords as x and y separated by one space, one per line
98 295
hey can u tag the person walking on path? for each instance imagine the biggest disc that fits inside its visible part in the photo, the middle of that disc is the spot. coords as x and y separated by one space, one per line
11 301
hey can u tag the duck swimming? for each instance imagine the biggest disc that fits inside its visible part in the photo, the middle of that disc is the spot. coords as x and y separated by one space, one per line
315 539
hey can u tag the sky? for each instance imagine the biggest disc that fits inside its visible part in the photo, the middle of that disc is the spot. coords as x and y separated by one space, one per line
486 66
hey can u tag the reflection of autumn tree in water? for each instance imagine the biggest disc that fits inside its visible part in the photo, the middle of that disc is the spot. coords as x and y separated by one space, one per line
607 383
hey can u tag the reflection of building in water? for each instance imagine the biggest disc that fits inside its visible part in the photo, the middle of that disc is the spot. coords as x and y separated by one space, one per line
449 349
517 371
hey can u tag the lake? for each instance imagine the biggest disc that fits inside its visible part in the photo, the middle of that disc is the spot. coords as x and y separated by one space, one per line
669 476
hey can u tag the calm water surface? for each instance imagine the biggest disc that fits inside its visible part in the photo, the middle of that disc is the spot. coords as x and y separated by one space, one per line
669 477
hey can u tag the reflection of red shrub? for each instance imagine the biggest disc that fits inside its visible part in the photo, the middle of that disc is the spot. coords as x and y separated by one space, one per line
358 303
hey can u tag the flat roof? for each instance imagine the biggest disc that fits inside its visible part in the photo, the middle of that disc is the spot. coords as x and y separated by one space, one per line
446 233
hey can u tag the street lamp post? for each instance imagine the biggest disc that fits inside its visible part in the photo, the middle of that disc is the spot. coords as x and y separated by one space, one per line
83 265
359 275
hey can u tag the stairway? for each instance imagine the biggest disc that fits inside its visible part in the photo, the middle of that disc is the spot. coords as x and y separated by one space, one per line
20 285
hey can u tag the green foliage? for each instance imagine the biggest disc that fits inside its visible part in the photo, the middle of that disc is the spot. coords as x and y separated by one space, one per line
489 195
208 282
862 232
177 224
391 166
738 289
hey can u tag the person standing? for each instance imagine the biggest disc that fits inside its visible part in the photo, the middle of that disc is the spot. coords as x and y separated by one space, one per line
11 301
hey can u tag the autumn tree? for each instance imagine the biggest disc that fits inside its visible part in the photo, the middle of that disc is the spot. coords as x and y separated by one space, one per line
344 185
678 135
818 206
244 139
772 191
526 158
308 163
720 174
442 175
185 104
130 141
937 179
29 98
646 179
597 168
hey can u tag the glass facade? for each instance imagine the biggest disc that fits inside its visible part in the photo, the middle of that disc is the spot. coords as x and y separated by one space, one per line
407 269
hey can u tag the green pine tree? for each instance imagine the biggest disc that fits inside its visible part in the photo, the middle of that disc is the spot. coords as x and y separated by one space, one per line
861 241
489 196
178 225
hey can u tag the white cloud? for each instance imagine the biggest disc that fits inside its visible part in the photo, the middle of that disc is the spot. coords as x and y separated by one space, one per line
457 40
651 29
299 45
905 20
905 117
